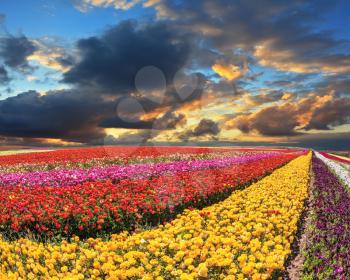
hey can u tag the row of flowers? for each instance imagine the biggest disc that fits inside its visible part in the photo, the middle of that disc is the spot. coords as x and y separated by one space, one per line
344 154
71 177
336 158
246 236
342 173
328 250
23 151
101 162
99 208
85 154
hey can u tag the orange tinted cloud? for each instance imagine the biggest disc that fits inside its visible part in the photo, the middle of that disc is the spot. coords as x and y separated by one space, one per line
48 56
286 60
288 119
229 72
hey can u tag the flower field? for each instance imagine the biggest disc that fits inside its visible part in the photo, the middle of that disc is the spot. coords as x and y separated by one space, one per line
328 253
172 213
337 158
343 154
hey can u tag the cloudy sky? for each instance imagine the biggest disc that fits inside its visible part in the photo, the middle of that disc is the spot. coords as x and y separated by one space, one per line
118 71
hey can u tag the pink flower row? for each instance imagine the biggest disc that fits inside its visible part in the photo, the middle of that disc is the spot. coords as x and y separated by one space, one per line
115 173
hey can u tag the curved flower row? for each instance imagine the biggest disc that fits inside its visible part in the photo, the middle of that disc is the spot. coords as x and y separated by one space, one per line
70 177
84 154
246 236
103 162
336 158
328 251
340 156
343 154
342 173
99 208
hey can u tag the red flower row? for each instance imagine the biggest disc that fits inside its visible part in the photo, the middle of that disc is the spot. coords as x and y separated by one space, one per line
104 152
95 209
84 154
329 156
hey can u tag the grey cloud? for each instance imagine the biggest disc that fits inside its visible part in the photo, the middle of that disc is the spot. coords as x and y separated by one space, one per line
169 120
66 115
15 50
287 26
112 60
333 113
206 127
270 121
4 78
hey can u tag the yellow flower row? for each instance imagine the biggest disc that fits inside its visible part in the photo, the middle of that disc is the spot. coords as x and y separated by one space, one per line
247 236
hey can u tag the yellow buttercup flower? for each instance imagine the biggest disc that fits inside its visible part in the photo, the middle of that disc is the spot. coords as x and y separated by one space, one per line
248 235
203 270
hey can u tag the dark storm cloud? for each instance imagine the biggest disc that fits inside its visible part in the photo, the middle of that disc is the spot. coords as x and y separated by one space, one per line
15 50
213 18
168 121
65 114
206 127
285 29
167 118
171 101
66 60
108 65
117 122
4 78
110 62
340 84
289 119
331 114
270 121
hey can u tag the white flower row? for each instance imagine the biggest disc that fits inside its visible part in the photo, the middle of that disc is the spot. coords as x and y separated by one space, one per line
342 173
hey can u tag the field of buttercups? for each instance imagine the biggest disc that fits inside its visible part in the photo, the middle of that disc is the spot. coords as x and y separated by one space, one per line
174 213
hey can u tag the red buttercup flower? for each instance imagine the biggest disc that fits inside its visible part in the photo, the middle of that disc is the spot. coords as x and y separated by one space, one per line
99 206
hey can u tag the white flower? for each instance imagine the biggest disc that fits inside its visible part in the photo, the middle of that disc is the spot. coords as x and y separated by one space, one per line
342 173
